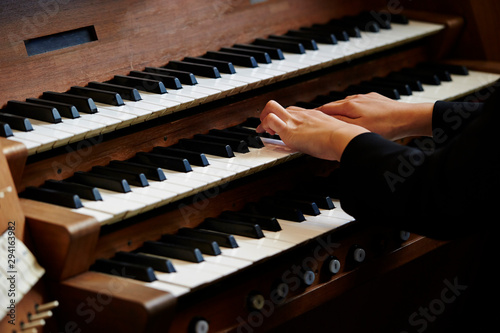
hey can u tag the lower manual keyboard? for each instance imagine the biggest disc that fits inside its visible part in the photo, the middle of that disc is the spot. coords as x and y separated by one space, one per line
191 275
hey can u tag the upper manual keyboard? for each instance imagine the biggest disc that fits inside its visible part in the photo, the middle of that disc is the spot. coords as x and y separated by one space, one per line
56 119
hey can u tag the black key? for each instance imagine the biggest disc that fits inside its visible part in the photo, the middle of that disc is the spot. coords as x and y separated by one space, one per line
133 178
101 96
252 132
205 246
441 73
52 196
381 18
274 52
196 69
265 222
340 33
305 206
252 122
16 122
5 130
279 211
322 201
158 264
414 83
185 77
362 24
307 105
237 59
424 77
337 95
453 69
286 46
223 66
64 109
211 148
319 36
223 239
367 88
239 146
82 103
352 30
401 87
173 251
102 181
165 162
308 43
151 172
399 18
124 269
35 111
322 99
253 141
194 158
168 81
138 83
83 191
251 230
125 92
259 56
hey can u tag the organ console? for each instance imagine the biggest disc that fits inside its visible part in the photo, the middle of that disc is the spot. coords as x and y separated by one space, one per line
132 171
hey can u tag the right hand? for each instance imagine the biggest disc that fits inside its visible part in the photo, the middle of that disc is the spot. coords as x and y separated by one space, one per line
389 118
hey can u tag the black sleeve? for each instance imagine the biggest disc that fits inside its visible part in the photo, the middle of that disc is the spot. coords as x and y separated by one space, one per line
438 187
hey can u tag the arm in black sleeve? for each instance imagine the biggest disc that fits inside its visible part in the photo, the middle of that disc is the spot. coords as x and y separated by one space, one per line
440 187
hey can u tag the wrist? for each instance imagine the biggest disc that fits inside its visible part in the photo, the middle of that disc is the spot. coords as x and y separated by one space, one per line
341 138
417 120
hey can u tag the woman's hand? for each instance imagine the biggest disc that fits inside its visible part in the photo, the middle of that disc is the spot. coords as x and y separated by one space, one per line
310 131
389 118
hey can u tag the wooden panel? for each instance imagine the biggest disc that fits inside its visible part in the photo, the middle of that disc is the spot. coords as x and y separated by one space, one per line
62 240
133 34
479 37
95 302
11 214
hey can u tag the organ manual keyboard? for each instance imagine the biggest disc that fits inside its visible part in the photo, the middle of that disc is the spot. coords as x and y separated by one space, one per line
133 172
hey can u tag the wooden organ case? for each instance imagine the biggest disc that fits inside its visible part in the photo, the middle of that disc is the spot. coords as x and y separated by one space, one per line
347 276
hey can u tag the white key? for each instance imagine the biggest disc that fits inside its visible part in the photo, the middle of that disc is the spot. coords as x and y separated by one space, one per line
101 217
141 201
237 263
120 209
136 113
43 143
187 278
264 242
73 133
173 289
249 252
124 119
31 146
205 266
225 85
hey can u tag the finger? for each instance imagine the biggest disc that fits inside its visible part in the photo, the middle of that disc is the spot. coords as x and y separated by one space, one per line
295 108
273 124
276 108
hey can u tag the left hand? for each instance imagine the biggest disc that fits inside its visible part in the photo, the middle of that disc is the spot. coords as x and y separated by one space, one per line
310 131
